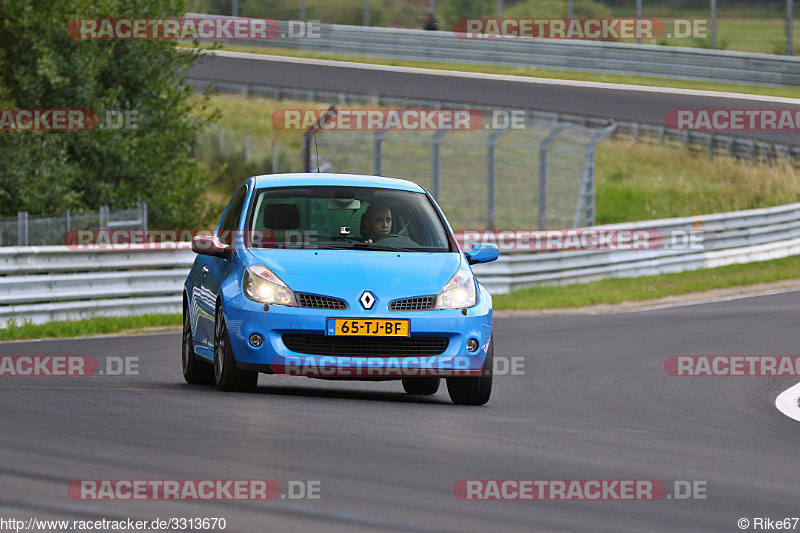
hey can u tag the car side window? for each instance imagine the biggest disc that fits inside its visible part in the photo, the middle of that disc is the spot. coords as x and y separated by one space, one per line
230 222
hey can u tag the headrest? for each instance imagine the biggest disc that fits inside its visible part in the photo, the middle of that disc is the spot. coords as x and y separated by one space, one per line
281 216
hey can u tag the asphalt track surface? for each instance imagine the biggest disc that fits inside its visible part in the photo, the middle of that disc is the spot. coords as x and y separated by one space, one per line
594 403
604 102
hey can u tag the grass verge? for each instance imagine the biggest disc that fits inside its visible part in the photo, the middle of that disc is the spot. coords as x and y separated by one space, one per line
533 72
617 290
90 326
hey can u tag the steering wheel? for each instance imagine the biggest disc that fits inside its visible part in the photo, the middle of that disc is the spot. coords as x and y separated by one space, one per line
403 240
379 237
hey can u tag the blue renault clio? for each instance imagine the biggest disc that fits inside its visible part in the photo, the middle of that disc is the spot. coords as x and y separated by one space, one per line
337 276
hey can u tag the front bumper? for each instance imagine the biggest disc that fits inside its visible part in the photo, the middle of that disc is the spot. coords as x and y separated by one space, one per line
245 317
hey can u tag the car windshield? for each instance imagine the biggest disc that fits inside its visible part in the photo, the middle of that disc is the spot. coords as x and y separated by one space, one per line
340 217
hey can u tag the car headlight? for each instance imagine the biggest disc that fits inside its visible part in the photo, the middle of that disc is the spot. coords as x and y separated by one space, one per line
262 285
459 292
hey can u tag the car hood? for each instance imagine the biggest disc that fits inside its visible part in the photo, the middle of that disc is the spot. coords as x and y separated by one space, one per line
347 273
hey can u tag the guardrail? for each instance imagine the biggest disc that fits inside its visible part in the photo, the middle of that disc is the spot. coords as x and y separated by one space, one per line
49 283
42 284
727 238
589 56
713 143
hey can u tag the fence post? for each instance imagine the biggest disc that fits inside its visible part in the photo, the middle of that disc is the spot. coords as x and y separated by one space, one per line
789 33
274 157
307 150
141 215
491 185
713 18
435 162
585 208
103 215
68 222
543 172
22 228
246 148
638 21
378 152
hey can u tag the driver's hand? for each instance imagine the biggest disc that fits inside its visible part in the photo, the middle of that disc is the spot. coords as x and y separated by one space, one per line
369 241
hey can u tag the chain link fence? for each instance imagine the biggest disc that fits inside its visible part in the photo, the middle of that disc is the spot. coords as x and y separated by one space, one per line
50 229
537 176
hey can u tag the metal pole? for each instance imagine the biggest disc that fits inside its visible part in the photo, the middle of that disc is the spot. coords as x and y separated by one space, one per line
303 10
221 140
569 8
789 28
378 153
274 157
307 150
713 17
491 182
435 168
246 148
638 21
586 199
235 8
431 5
366 12
499 9
22 228
543 173
68 222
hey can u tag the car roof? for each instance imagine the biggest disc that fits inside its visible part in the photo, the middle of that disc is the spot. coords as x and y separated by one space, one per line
326 178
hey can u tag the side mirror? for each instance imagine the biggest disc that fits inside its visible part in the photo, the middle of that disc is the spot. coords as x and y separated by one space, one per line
482 253
211 245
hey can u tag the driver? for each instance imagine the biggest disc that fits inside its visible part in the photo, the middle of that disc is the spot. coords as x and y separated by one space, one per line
376 222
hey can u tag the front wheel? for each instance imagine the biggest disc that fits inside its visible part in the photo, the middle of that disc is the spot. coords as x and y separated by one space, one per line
226 375
422 386
473 390
195 371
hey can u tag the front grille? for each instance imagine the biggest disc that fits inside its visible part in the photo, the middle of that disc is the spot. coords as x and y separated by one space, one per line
364 346
319 302
413 304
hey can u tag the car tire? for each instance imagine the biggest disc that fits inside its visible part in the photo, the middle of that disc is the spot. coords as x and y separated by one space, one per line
422 386
226 375
473 390
195 371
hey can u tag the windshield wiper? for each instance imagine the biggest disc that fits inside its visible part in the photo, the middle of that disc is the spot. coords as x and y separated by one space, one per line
367 246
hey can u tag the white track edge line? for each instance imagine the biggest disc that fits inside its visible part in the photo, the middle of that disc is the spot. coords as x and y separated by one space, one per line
786 402
500 77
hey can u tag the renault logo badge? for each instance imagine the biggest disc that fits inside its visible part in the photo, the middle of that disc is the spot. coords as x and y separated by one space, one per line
367 300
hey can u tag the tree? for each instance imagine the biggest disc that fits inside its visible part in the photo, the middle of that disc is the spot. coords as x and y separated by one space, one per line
44 68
